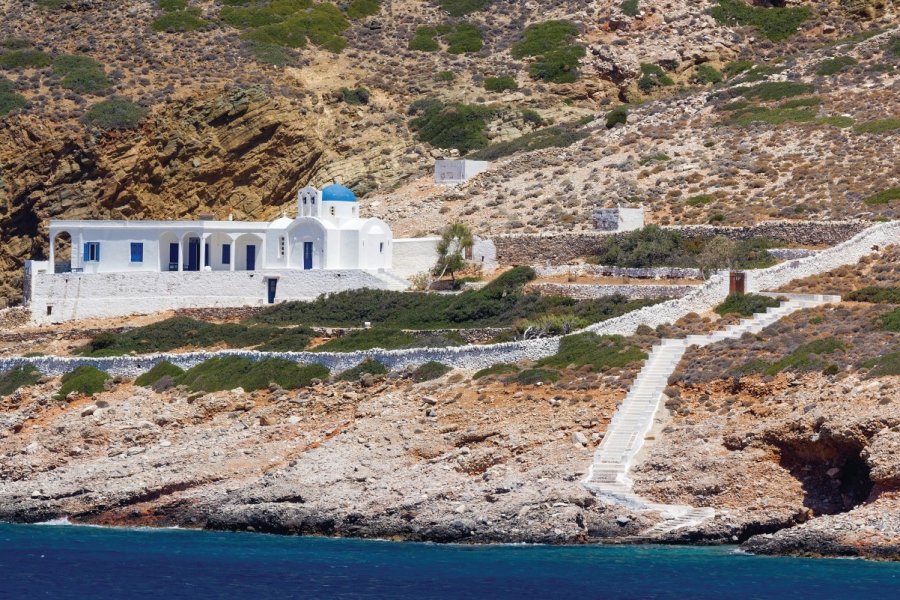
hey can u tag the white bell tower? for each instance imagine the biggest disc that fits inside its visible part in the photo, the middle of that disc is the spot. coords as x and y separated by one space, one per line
309 202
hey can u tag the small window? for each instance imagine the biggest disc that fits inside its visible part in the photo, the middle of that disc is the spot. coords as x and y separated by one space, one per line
226 254
91 251
281 246
137 252
381 247
304 199
332 211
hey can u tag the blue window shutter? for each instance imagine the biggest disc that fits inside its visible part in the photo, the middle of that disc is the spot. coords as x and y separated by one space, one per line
97 244
87 252
137 252
226 254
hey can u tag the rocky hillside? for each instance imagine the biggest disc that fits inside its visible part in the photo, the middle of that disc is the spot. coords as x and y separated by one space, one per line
174 108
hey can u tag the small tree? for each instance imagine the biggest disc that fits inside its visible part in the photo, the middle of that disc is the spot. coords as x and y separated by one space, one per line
456 240
717 253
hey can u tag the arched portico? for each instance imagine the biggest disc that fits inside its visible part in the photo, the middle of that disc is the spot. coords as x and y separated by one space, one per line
61 252
248 252
169 252
306 240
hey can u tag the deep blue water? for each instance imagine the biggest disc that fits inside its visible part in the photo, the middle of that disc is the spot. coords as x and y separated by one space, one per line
47 561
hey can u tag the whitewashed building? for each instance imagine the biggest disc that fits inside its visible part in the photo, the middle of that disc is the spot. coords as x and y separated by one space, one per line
450 172
124 267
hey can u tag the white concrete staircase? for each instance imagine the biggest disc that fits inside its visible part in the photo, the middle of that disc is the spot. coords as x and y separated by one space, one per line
608 475
393 281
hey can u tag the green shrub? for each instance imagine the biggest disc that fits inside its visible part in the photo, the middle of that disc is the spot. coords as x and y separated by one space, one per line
600 352
558 136
17 377
183 332
445 76
271 54
534 376
883 197
801 102
772 116
170 5
459 126
85 380
179 21
115 113
699 200
459 8
552 43
884 366
776 90
890 321
355 97
805 358
617 116
774 23
159 370
423 40
357 9
229 372
653 76
464 38
290 23
835 121
893 46
497 369
14 43
368 366
9 99
652 158
24 59
833 65
737 67
532 116
876 295
80 73
878 126
630 7
428 371
707 74
745 304
650 246
758 73
501 84
52 4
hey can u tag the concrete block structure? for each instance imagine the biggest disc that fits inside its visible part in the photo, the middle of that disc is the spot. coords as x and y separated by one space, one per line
450 172
618 219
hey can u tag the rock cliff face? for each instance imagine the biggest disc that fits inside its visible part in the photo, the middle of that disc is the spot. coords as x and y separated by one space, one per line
239 151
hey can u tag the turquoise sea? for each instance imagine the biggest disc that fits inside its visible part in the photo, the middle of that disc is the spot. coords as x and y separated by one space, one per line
58 561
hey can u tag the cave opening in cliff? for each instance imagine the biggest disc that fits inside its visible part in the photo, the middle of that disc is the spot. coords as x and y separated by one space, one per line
833 474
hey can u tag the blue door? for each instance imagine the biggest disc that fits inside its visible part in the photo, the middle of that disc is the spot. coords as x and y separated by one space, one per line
193 254
273 284
307 255
173 256
251 258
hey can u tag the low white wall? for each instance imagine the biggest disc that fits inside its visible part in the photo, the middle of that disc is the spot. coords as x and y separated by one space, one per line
484 254
81 295
414 255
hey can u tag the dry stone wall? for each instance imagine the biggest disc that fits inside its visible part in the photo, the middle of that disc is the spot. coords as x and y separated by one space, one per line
588 291
559 248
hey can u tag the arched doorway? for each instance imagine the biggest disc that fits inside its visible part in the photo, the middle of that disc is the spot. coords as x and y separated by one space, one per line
61 252
248 252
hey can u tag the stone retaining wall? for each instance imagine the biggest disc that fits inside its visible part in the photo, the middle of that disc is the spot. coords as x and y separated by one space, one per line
556 248
589 291
584 269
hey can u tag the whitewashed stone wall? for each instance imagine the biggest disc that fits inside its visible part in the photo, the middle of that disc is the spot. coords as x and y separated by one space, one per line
845 253
63 297
484 254
414 255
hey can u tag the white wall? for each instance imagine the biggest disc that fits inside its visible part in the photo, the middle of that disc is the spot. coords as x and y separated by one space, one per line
412 256
81 295
457 171
484 253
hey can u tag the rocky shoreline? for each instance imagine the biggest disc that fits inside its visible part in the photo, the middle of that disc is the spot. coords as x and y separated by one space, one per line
442 462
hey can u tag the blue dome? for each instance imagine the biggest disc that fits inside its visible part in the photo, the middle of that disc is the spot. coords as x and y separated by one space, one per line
337 193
